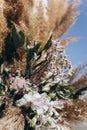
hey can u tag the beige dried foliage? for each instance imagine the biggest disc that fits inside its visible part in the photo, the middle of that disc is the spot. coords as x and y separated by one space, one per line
3 25
66 41
56 11
82 81
12 120
77 112
17 65
12 10
67 20
37 19
60 127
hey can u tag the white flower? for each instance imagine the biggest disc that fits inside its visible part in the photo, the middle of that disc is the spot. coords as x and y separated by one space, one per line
40 111
35 56
45 108
29 47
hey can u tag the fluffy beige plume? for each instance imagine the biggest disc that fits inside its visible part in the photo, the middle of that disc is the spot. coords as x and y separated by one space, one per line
67 19
60 127
44 17
38 28
12 10
77 112
77 79
77 70
81 82
38 18
12 120
56 11
3 25
66 41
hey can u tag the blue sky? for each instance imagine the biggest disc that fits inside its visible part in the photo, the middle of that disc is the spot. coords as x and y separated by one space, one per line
78 51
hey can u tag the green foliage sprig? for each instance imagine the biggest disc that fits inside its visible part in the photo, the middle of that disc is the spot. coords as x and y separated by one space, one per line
13 41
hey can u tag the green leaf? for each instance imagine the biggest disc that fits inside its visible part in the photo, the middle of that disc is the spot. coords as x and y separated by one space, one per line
27 41
30 56
2 86
79 92
64 92
2 107
48 44
21 39
9 48
1 60
16 56
52 95
13 41
39 64
15 36
35 49
39 54
18 38
31 52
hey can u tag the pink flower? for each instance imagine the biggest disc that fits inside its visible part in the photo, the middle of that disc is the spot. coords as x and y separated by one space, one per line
18 83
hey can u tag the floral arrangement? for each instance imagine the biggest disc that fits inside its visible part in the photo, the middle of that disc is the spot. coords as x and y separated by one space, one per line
37 87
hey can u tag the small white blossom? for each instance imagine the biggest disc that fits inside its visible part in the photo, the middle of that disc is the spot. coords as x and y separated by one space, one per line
45 108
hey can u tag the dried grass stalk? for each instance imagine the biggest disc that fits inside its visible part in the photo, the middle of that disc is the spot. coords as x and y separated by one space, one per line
3 25
12 120
12 10
67 20
76 113
60 127
66 41
81 81
56 11
17 65
37 19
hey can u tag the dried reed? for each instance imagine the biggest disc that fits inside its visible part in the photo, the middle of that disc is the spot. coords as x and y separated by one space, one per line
66 41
